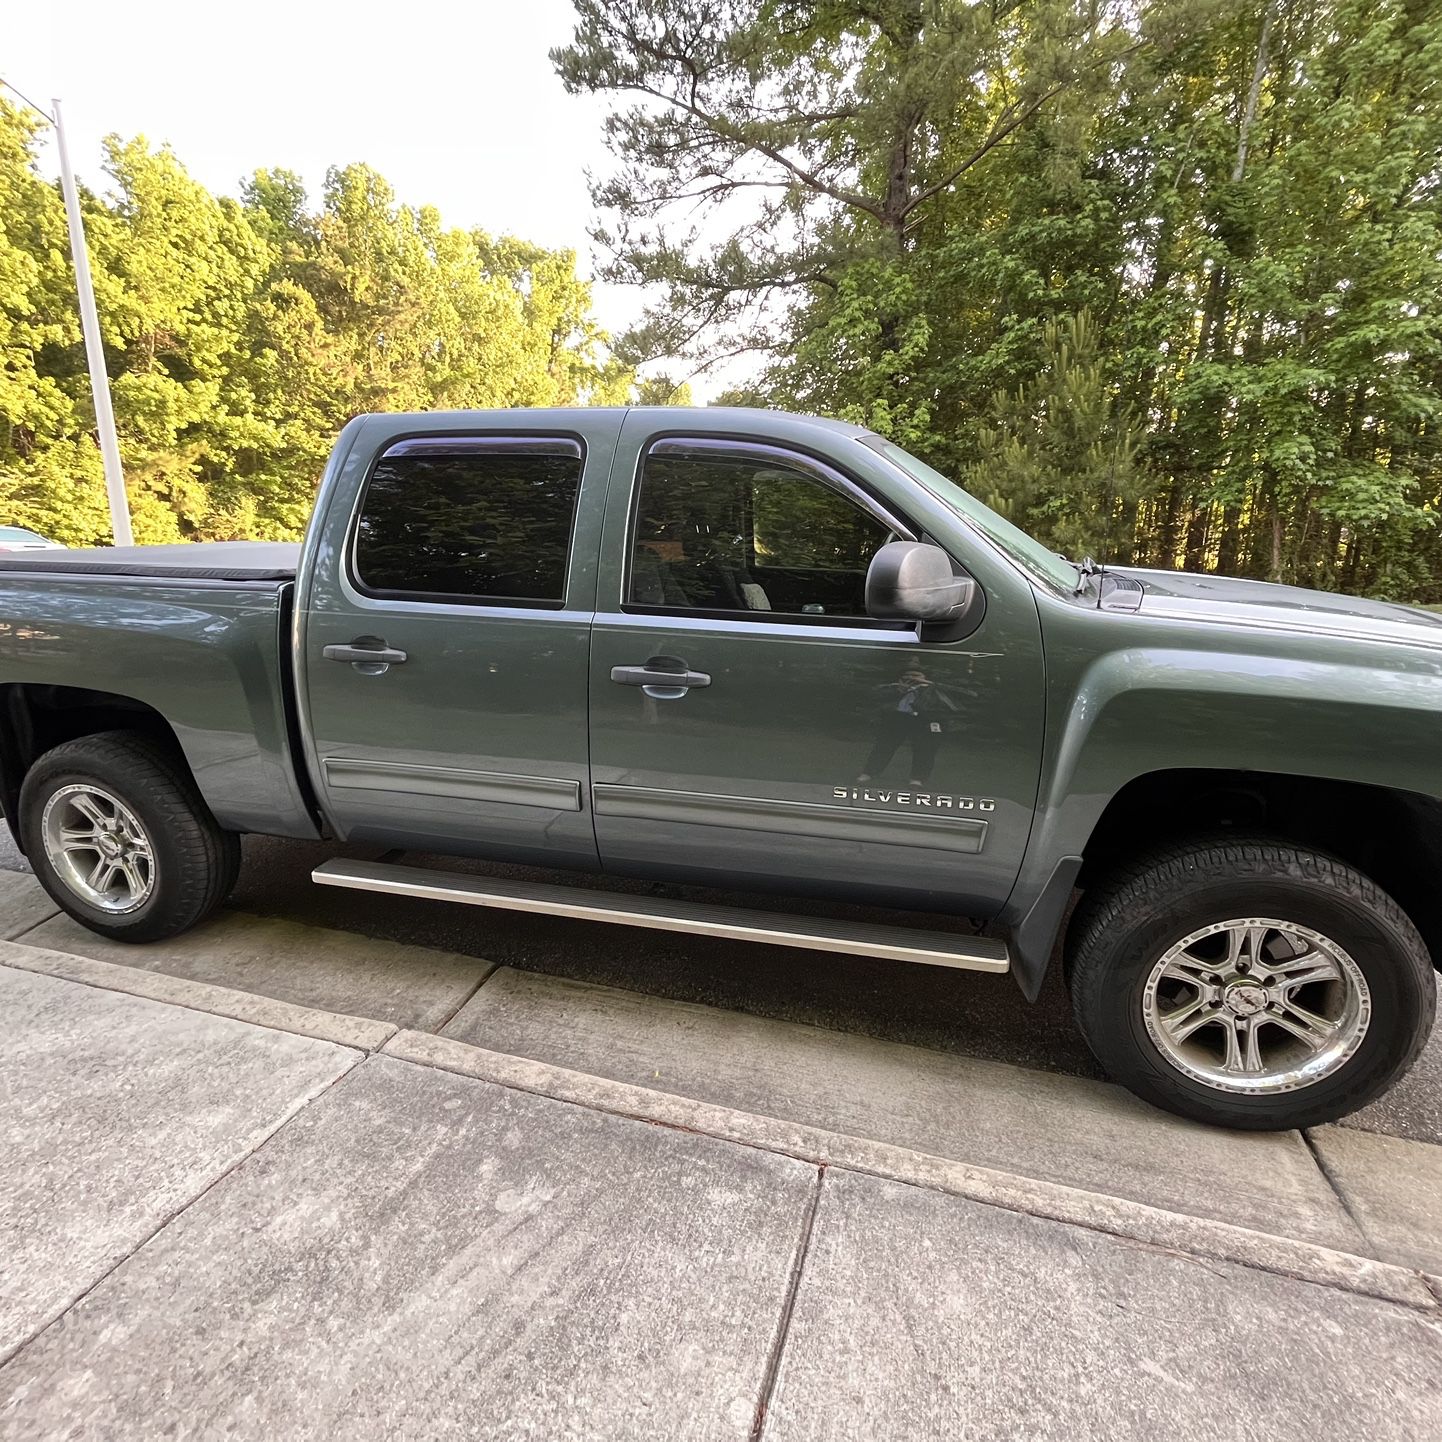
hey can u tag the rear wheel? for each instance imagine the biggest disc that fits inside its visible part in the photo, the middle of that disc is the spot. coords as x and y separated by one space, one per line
1250 983
122 840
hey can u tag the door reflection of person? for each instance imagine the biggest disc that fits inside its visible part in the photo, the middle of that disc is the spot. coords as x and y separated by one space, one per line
912 709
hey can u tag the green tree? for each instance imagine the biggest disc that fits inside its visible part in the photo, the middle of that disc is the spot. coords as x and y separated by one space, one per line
240 335
661 390
1058 455
177 273
50 475
567 360
816 140
902 203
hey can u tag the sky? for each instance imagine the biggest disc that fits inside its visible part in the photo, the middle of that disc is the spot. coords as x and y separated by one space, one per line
455 104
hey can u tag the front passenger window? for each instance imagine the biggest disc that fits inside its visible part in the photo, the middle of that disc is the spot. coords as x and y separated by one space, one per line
742 534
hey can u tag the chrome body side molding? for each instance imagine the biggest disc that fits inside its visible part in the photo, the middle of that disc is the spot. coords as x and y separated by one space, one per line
553 793
935 831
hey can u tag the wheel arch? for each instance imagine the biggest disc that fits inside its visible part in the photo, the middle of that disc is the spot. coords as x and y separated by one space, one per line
1386 833
36 718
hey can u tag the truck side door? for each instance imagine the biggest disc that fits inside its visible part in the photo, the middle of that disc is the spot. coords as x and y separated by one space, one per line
752 726
444 632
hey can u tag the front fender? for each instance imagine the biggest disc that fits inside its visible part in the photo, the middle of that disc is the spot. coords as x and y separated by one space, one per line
1186 696
1151 709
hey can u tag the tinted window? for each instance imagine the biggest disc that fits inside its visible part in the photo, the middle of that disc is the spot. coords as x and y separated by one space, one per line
718 532
479 520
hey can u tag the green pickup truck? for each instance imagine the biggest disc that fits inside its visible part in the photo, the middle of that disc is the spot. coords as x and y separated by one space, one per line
762 652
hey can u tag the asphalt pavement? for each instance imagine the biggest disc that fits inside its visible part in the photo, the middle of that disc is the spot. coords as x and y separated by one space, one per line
947 1010
955 1012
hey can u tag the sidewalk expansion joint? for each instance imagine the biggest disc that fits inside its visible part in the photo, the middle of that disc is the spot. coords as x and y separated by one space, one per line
300 1106
492 967
788 1306
34 926
1343 1200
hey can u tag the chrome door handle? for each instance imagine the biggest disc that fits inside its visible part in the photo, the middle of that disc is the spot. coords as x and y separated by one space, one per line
664 678
364 651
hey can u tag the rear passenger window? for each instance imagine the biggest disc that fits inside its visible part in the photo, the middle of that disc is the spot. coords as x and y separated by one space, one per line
470 520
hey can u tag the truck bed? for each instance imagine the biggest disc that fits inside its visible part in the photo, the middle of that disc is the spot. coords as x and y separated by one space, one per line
199 635
200 561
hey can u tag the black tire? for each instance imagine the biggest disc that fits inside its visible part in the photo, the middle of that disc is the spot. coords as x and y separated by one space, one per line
195 863
1126 924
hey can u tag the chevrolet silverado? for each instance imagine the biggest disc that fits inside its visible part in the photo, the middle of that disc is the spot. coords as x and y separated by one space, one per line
768 653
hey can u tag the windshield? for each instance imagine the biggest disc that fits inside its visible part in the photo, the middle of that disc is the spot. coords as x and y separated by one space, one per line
1042 565
14 533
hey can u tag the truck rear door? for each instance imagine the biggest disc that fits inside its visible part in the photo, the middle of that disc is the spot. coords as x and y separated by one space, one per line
444 634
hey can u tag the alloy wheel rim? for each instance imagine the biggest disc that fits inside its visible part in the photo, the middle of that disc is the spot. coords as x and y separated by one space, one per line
1256 1005
96 845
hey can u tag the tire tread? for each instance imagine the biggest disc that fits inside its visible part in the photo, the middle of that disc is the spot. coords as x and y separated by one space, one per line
1153 879
208 857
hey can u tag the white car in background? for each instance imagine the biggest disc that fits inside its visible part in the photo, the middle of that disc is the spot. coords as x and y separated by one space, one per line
16 538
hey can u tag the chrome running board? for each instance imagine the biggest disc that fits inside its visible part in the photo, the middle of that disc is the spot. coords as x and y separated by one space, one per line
855 938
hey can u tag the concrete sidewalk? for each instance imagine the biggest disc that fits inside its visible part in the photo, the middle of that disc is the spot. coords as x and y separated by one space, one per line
1360 1193
224 1214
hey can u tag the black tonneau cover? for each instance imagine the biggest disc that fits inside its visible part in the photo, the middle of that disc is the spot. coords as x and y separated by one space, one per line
201 561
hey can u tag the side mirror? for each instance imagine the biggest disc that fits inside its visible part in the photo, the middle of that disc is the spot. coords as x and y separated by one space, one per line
911 581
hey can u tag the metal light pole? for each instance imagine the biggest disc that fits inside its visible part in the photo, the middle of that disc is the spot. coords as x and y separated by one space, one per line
94 351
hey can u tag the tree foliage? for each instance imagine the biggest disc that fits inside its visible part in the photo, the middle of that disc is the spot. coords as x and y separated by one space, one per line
240 334
1063 421
1163 278
1160 278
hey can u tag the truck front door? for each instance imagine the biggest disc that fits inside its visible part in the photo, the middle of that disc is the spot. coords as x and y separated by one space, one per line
444 636
751 726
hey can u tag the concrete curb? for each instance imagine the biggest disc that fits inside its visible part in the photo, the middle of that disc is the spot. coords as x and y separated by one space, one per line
1135 1221
1121 1217
348 1031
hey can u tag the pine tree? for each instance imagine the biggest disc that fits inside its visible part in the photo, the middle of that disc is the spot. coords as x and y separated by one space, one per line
1058 455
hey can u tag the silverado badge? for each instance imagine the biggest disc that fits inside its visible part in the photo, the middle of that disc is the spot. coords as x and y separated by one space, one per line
927 800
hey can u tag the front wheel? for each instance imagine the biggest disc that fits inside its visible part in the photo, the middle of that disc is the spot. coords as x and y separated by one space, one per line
121 839
1250 983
